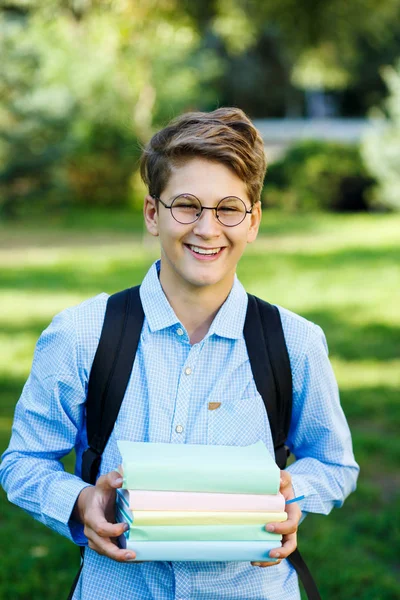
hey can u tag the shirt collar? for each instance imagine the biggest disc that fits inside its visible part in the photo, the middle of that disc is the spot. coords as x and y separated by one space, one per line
228 322
158 311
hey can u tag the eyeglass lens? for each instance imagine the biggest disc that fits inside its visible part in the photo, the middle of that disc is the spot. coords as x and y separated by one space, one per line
229 211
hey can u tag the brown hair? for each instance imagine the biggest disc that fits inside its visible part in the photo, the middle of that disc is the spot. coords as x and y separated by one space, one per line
225 135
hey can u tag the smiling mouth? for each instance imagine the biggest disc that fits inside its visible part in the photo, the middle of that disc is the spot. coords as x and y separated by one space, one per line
204 251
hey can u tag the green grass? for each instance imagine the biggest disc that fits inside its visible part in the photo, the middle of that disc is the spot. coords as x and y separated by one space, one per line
342 272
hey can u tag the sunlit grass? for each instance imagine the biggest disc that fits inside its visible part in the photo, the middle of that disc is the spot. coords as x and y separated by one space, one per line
366 374
342 272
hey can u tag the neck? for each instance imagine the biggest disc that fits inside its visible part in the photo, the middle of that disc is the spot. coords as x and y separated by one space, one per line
195 307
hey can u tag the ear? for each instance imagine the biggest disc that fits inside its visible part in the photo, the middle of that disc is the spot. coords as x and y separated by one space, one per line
255 220
150 213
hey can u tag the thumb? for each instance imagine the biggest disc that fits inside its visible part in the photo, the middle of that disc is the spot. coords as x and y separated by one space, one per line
285 480
111 480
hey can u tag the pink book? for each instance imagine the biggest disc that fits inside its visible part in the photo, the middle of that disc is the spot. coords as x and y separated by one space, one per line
201 501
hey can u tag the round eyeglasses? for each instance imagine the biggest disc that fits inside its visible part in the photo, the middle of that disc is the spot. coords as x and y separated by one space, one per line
186 209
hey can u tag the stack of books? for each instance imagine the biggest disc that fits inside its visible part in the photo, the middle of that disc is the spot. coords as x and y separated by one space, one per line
198 502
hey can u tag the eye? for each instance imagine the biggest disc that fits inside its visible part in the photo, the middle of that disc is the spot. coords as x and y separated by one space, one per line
228 209
186 203
231 205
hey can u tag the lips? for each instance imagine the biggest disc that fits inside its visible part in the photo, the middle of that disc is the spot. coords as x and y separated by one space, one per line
204 253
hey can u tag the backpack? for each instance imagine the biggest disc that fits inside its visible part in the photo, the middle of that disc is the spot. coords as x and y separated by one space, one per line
113 364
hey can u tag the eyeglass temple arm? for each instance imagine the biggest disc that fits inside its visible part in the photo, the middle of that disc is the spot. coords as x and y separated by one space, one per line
159 199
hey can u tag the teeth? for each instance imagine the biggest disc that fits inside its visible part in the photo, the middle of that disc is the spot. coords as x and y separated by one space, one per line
204 251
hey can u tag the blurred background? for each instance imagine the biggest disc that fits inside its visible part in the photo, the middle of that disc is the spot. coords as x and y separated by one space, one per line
83 85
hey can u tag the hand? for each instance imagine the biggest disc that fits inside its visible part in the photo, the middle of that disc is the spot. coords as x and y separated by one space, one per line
288 529
94 508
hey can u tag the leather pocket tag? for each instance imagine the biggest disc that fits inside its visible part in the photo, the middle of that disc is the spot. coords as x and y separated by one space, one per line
213 405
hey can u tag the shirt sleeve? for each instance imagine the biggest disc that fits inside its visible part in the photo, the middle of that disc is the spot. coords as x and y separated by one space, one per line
48 422
325 470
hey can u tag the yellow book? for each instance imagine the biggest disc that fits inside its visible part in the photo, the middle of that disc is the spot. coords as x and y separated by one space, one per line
155 517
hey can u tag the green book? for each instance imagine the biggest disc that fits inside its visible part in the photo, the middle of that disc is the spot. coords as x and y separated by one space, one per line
203 533
199 468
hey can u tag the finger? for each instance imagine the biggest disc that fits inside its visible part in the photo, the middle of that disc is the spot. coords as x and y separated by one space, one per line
106 547
104 529
288 526
270 563
284 531
289 545
285 528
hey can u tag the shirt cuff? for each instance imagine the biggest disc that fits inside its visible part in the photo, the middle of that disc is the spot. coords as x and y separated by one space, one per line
300 486
59 506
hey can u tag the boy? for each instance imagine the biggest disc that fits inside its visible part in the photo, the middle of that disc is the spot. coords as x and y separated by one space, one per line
204 173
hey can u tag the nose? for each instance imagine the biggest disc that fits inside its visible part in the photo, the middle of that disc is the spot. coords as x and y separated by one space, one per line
207 225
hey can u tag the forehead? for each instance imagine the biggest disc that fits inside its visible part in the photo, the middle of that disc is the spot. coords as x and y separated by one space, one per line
208 180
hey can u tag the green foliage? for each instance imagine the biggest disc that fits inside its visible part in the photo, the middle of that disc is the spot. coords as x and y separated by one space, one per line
84 85
313 264
381 147
100 168
322 41
288 47
33 128
318 176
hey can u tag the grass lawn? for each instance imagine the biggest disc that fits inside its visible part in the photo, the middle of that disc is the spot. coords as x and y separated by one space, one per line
342 272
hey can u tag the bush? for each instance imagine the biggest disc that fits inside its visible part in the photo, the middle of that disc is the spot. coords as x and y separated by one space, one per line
101 165
381 147
318 176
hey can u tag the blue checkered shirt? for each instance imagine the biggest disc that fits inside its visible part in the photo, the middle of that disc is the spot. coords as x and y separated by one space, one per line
162 394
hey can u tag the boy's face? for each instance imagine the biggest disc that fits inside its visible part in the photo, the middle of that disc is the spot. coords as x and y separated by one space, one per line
181 265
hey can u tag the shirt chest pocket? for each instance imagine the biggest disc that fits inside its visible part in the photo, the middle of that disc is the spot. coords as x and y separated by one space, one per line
233 421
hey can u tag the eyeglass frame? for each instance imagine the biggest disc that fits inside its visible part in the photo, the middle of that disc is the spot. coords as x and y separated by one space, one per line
246 212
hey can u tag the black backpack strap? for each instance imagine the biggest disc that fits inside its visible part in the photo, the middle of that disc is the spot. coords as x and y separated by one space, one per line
108 380
298 563
77 576
110 373
270 364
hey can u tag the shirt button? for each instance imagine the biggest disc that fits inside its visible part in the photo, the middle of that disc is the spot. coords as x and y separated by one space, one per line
179 331
179 429
188 371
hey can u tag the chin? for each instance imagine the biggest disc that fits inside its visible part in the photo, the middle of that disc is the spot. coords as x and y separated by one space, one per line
201 283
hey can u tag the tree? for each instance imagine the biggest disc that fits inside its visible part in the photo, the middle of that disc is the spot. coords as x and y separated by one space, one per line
316 45
326 30
95 78
33 134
